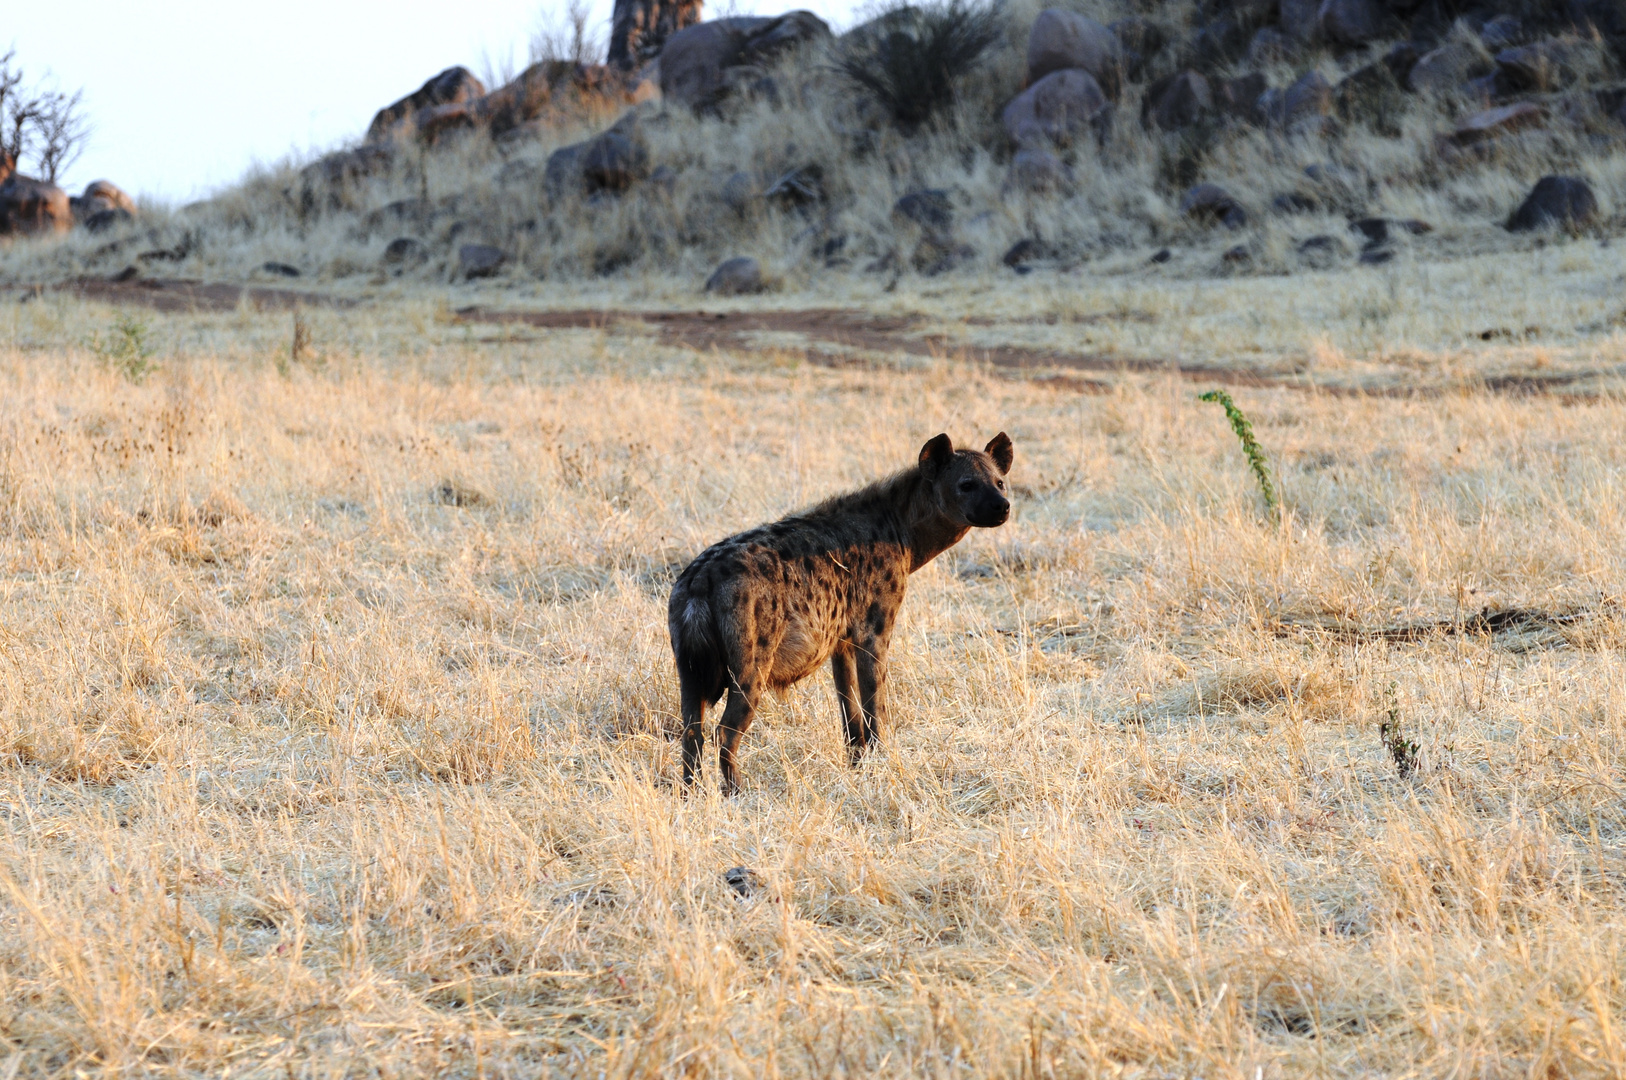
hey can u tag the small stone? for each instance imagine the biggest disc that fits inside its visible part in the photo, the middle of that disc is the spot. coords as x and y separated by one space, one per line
1210 202
738 276
743 880
1161 255
1037 172
404 250
480 260
1377 256
1556 201
930 208
1177 101
1025 251
1350 22
1496 122
279 269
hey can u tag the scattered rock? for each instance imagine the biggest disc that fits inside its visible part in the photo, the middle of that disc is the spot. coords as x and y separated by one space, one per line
1350 22
1502 32
404 251
1177 101
1446 68
930 208
1271 46
1239 97
103 195
803 186
1493 123
1322 252
612 161
563 173
1294 202
1037 172
1161 255
743 880
1376 256
1063 39
1237 255
30 207
738 276
1307 103
1543 67
938 253
1210 202
1025 251
1141 39
1299 19
480 260
347 166
738 191
436 123
1562 201
1371 96
1054 109
279 269
454 86
102 220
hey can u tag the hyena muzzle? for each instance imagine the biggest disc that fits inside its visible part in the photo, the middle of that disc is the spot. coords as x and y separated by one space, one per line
764 608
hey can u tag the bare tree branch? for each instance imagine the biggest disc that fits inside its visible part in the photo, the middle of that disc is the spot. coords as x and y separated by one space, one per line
47 124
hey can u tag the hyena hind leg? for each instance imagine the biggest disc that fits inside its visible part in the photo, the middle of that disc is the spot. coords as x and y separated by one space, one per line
692 705
845 672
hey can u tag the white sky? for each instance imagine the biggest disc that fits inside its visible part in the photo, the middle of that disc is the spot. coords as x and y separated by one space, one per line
185 95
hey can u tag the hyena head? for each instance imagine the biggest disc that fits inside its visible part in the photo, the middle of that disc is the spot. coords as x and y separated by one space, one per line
970 484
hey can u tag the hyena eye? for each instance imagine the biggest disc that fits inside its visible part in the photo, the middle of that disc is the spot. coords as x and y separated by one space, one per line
968 484
1000 484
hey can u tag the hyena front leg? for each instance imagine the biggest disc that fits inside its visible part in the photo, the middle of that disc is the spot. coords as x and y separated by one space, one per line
871 664
845 671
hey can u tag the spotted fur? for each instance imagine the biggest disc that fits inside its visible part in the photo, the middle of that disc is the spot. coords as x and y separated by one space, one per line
764 608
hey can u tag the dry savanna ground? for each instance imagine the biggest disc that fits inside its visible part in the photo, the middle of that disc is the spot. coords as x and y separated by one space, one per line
335 699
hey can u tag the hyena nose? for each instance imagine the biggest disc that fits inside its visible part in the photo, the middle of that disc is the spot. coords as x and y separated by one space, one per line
1001 512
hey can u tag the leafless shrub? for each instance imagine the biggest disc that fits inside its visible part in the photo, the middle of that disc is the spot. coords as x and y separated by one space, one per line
48 125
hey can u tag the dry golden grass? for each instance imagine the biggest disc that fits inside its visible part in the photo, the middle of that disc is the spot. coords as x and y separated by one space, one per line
334 701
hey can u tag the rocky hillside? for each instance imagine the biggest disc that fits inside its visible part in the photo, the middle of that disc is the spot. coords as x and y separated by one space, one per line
1229 136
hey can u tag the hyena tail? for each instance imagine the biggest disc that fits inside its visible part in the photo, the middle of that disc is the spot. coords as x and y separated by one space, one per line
697 647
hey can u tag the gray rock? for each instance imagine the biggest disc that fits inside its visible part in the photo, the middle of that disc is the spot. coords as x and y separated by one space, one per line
802 186
1037 172
1556 201
930 208
102 220
1271 46
695 62
1299 19
480 260
1495 123
1026 251
1141 39
1054 110
563 174
738 276
1210 203
1350 22
1322 252
1502 32
612 162
404 251
1239 97
454 86
938 253
1444 69
1308 102
738 191
279 269
1063 39
1177 101
1542 67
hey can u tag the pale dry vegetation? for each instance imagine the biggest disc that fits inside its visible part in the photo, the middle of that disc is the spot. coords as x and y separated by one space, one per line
335 701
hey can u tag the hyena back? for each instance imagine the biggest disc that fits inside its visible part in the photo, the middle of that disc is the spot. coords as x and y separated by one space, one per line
764 608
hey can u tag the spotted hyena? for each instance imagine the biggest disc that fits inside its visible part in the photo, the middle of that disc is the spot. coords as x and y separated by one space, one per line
763 609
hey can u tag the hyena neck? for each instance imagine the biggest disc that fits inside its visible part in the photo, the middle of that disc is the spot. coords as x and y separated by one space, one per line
927 531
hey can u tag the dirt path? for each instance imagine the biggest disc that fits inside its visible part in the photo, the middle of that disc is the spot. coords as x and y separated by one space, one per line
844 336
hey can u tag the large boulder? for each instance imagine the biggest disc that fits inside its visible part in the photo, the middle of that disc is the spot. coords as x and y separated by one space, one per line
105 195
613 161
454 86
563 174
695 61
1556 201
1177 101
1300 19
1307 103
1544 66
1054 110
480 261
30 207
1065 39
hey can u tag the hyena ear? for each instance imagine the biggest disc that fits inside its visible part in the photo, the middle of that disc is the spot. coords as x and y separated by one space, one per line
935 456
999 448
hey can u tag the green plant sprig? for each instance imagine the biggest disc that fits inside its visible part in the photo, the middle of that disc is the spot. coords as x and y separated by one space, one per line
1251 448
